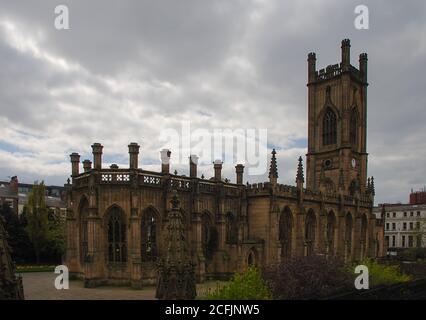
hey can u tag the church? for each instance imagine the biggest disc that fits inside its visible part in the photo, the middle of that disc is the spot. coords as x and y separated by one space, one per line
116 217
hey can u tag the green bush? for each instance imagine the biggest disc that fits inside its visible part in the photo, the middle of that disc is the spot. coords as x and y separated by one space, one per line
243 286
381 274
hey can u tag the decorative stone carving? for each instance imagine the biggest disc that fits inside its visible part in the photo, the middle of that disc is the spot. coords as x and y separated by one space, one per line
176 276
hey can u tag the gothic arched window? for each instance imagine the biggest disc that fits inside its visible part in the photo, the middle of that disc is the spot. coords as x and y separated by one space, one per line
331 228
117 250
353 126
329 127
149 236
208 236
231 229
348 235
363 236
84 237
285 230
310 226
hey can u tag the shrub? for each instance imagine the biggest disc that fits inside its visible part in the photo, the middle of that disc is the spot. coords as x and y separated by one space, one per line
310 277
381 274
248 285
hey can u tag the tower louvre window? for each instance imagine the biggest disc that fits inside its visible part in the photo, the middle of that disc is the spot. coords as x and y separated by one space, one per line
353 126
329 130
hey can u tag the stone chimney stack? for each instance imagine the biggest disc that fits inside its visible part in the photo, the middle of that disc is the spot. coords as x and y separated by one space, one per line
218 170
97 156
75 164
165 161
193 161
239 170
87 165
133 155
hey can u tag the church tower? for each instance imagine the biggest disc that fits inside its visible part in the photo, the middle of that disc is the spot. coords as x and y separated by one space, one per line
337 134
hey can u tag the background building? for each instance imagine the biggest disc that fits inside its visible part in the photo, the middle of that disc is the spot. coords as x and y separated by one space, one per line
15 194
405 224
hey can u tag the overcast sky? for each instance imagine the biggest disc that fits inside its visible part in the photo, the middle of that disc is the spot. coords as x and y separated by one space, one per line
128 69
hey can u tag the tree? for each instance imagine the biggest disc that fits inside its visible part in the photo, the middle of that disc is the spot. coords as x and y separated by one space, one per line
55 237
37 219
18 237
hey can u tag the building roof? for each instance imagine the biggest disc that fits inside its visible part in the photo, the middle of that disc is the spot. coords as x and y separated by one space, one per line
5 191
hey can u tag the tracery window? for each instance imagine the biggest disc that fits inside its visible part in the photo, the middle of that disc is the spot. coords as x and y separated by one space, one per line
329 127
149 236
117 248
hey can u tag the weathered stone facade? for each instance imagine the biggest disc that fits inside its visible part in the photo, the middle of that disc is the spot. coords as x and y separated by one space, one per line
116 217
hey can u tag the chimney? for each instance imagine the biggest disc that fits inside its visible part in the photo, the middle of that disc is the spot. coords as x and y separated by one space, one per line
87 165
75 163
165 161
239 170
97 156
133 155
193 161
218 170
346 53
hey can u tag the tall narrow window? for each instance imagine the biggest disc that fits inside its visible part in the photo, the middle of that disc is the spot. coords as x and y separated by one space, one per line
331 227
348 236
329 127
363 236
149 236
353 126
231 229
285 233
310 226
117 251
84 237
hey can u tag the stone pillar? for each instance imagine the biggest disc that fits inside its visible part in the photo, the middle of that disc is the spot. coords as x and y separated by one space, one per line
97 156
218 170
133 155
239 170
75 163
193 161
87 165
165 161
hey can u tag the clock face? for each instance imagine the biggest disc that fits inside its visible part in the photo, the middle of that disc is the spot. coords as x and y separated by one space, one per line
353 163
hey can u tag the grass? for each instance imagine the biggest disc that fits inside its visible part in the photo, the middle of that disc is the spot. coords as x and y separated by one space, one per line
34 268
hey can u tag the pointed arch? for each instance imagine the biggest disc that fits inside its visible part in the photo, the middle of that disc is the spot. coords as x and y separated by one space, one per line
208 235
329 127
353 126
149 234
83 215
348 236
331 232
364 238
231 229
116 234
252 258
285 232
310 228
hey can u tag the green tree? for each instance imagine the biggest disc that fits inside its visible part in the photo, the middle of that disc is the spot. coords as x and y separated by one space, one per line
37 219
17 236
55 236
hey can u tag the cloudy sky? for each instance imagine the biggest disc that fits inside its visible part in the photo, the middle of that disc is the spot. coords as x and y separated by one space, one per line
127 70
